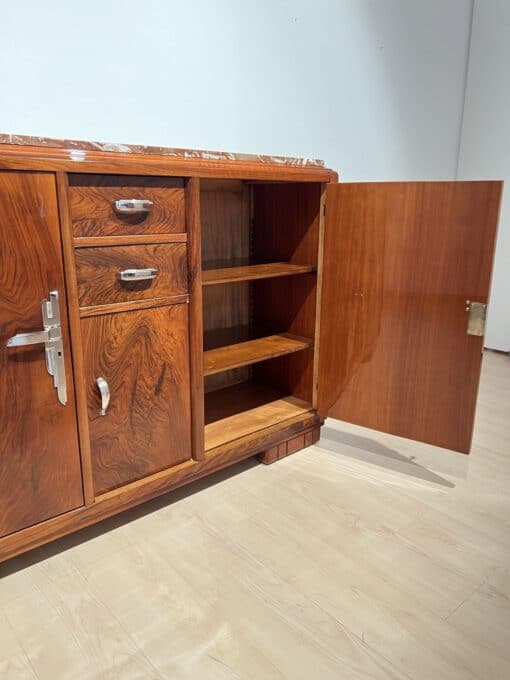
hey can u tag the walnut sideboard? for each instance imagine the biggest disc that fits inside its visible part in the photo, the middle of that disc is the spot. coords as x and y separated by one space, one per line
165 313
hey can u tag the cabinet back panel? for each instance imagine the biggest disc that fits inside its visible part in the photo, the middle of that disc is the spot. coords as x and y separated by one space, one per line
286 223
225 216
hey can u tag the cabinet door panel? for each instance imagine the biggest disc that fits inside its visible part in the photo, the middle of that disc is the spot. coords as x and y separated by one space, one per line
400 261
143 356
40 473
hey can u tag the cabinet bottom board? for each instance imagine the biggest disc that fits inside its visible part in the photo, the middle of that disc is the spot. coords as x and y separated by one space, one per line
244 409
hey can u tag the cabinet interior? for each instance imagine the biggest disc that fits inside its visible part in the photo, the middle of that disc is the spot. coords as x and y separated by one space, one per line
259 275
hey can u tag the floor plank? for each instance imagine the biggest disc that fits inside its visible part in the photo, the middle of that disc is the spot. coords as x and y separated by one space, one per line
366 556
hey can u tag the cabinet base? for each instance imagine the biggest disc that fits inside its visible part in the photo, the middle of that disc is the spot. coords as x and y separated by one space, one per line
269 444
292 445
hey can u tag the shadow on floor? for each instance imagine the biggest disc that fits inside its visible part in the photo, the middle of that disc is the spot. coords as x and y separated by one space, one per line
88 533
370 451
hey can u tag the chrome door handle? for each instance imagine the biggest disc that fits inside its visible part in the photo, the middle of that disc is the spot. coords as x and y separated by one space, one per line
51 338
104 391
138 274
129 206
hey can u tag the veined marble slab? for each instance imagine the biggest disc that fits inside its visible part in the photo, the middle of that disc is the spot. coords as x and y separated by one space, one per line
80 145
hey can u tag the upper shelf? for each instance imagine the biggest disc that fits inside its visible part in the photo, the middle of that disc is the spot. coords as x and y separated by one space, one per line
253 271
253 351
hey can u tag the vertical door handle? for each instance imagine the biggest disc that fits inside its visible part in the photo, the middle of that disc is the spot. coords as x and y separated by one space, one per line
51 338
104 391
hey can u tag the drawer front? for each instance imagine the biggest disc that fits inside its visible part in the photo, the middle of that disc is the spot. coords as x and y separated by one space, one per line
142 360
108 205
99 271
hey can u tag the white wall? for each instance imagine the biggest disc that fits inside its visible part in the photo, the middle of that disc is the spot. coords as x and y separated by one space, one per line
485 148
375 87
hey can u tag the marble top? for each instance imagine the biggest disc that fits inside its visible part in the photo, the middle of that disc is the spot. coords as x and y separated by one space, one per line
79 145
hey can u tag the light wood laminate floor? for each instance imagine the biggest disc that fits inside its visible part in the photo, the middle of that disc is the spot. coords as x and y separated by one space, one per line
366 557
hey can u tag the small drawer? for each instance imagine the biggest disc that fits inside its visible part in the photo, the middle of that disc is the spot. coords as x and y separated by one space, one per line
125 273
109 205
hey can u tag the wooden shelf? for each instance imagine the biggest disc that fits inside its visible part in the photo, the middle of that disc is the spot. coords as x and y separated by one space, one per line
253 351
242 409
251 272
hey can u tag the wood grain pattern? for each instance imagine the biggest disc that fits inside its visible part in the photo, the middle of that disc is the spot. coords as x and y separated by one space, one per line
253 351
98 271
252 272
286 222
144 357
14 157
400 261
118 500
99 310
225 224
134 240
239 410
40 474
286 448
192 192
92 200
75 334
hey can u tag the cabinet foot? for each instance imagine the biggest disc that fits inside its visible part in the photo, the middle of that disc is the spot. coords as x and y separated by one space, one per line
288 446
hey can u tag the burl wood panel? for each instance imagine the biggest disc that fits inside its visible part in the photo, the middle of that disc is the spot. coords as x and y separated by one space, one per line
400 261
98 271
92 198
144 357
40 474
286 228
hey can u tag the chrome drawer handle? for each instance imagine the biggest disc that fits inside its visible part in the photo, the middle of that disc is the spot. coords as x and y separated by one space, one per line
138 274
128 206
104 391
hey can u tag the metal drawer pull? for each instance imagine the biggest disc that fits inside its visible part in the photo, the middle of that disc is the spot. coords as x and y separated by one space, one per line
138 274
128 206
104 391
51 337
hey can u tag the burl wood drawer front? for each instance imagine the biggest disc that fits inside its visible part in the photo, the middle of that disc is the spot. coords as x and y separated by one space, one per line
99 272
143 356
148 205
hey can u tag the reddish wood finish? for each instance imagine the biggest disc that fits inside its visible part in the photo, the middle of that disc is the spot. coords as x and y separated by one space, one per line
195 316
98 271
121 499
40 474
75 331
289 446
400 261
38 158
92 199
212 277
286 224
252 351
144 357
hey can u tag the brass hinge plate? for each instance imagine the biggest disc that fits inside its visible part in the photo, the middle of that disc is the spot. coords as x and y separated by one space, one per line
477 317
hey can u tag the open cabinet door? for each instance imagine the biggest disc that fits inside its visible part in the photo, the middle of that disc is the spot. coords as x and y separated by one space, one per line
400 262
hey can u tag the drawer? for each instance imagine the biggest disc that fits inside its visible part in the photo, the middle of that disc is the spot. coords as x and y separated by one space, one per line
110 205
99 272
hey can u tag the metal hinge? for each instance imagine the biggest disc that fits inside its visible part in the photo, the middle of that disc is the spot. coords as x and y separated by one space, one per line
477 317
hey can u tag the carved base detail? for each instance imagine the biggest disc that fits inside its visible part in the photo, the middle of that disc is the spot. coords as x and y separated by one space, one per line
288 446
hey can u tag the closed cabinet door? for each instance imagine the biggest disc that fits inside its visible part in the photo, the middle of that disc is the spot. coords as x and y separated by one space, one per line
138 393
40 473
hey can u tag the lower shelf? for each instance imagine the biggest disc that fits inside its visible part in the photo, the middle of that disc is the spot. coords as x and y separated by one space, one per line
246 408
